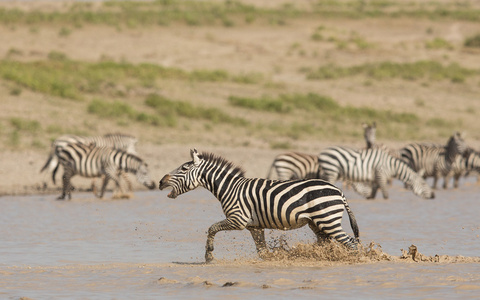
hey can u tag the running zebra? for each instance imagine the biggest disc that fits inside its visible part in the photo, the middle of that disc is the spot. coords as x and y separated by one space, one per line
294 165
116 141
92 161
256 204
434 160
370 170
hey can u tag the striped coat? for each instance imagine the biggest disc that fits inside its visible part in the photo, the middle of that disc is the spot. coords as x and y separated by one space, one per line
256 204
92 161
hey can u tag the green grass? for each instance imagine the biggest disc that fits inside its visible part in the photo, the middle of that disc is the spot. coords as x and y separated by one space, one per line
473 41
428 69
168 108
138 14
438 43
66 78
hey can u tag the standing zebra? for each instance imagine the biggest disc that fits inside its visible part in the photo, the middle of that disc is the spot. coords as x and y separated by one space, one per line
369 166
433 160
116 141
369 133
256 204
294 165
92 161
462 166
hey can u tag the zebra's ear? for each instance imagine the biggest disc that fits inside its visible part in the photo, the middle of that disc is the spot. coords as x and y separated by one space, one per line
194 155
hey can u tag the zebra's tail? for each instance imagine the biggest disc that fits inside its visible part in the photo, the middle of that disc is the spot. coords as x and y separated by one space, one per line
351 216
52 164
49 161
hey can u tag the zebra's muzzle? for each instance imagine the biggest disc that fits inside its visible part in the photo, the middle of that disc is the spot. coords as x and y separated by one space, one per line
164 183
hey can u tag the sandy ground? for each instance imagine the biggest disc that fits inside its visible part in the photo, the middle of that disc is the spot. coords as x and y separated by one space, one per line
276 51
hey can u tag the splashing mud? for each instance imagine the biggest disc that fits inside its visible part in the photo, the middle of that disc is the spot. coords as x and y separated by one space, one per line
331 253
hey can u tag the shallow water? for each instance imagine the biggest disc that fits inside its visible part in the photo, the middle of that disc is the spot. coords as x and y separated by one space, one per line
153 246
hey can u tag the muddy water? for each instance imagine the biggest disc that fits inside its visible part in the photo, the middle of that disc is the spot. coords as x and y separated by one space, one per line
152 246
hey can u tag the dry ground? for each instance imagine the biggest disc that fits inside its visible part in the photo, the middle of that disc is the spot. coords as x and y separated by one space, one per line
275 51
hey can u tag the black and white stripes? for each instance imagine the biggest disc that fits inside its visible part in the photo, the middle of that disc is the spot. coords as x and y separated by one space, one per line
256 204
295 165
369 166
92 161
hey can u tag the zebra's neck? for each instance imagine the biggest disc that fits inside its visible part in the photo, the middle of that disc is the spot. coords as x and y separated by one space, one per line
401 170
219 180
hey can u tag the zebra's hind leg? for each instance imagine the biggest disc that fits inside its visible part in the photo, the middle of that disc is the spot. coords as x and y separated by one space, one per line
258 235
321 236
67 186
336 232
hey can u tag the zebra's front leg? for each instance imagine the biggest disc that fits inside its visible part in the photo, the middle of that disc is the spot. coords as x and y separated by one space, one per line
258 235
227 224
381 182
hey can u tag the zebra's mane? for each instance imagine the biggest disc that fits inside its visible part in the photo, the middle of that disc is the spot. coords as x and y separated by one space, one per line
223 163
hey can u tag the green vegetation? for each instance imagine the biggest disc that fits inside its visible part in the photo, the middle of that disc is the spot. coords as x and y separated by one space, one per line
388 70
473 42
62 77
229 13
438 43
167 112
169 108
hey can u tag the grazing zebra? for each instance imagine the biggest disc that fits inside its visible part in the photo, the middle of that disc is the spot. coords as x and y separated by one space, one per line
433 160
92 161
116 141
256 204
369 166
294 165
463 166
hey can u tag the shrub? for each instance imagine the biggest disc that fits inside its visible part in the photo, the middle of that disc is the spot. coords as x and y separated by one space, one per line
473 42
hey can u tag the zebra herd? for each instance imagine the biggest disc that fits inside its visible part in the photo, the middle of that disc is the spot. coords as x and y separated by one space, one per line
304 193
373 167
108 156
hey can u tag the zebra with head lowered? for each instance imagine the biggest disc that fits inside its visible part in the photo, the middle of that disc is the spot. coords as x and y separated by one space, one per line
92 161
116 140
256 204
369 170
463 165
433 160
295 165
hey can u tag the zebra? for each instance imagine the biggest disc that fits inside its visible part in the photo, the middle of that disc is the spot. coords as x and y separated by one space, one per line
434 160
92 161
114 140
295 165
257 203
369 166
369 133
462 166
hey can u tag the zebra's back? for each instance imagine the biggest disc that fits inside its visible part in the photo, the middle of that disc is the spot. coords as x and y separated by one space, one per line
295 165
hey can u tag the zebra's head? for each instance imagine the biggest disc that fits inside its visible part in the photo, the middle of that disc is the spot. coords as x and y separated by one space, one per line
184 178
143 177
420 187
369 134
456 144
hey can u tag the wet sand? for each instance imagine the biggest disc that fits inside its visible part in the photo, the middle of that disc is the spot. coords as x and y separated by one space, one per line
152 246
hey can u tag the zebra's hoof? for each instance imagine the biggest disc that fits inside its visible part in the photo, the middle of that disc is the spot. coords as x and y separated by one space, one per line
61 198
208 258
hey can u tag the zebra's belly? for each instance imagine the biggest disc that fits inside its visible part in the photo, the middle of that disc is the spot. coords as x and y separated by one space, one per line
277 224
